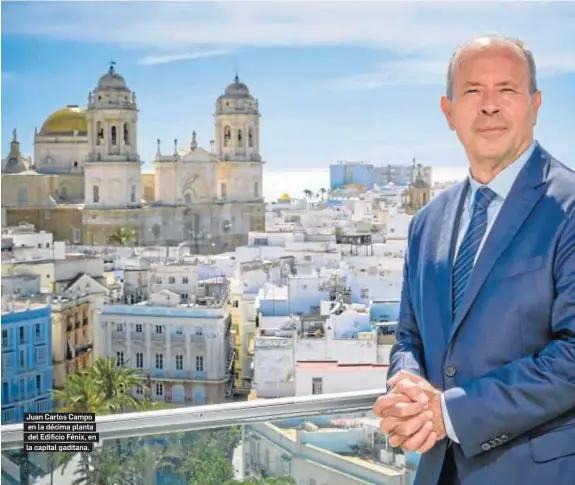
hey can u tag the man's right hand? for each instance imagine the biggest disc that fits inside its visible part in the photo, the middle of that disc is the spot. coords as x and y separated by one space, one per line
408 413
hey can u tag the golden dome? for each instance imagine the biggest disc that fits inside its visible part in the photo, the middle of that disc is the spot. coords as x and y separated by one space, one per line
285 197
66 121
359 187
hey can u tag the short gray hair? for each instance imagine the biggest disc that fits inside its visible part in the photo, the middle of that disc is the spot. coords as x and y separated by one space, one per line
485 41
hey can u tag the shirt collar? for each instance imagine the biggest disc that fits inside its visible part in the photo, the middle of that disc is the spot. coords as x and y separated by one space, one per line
505 179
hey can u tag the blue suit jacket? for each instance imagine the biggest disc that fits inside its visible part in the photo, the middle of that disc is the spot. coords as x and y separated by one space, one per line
507 364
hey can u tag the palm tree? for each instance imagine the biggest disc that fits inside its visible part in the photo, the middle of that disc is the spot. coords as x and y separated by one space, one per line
80 394
323 192
308 193
100 389
113 380
122 236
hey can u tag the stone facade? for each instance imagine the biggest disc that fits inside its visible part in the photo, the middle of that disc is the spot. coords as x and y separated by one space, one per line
86 181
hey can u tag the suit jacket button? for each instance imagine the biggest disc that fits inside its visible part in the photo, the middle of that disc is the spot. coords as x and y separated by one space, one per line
504 437
498 441
450 371
485 446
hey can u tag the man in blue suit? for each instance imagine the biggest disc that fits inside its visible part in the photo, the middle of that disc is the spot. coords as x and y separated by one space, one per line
482 377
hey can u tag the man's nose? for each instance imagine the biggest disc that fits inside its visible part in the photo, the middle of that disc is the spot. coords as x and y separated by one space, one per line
490 104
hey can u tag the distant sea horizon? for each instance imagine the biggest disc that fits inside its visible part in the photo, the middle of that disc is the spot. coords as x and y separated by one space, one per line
294 181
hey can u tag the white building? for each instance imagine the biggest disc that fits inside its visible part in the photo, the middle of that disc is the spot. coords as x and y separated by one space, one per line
183 349
24 243
343 348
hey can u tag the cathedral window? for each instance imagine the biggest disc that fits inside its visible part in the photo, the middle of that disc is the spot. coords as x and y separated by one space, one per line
133 193
227 135
22 195
256 189
240 138
188 198
95 193
99 133
250 137
126 134
223 190
114 135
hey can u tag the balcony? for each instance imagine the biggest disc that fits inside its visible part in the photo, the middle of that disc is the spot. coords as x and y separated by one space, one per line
327 439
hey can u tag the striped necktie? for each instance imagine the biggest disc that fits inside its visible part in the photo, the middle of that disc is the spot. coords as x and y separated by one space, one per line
470 244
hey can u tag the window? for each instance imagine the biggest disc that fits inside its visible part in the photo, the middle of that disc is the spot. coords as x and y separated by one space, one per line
22 335
365 293
38 383
171 280
159 329
95 194
138 328
159 361
133 193
8 359
159 389
199 363
126 134
158 280
199 331
41 354
120 358
4 335
317 385
139 390
120 327
114 136
5 387
8 415
38 329
179 362
185 280
22 359
22 389
22 195
256 189
223 190
140 360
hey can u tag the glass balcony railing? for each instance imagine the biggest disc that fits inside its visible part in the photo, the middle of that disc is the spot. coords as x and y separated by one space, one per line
322 440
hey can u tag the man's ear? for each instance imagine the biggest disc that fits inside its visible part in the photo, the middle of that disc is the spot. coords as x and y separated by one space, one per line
447 109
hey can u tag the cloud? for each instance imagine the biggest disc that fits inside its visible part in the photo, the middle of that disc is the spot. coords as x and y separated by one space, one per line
164 59
420 35
7 76
409 71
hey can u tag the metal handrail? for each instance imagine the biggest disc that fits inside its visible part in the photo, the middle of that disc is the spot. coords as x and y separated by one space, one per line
216 415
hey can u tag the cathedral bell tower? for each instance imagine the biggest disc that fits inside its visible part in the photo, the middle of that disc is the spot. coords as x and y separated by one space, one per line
237 123
112 171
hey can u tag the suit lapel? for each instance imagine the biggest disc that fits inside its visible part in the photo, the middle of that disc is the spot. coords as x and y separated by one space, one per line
445 253
525 193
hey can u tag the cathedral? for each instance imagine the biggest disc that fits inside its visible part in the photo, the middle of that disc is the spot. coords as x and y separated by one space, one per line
85 182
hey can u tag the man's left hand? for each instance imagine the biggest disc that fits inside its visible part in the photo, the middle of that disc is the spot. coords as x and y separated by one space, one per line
417 432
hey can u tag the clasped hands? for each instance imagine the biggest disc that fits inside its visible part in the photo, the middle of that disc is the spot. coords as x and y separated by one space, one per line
411 412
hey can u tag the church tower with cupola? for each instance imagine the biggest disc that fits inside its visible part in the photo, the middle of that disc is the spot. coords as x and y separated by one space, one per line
240 165
237 143
237 124
112 170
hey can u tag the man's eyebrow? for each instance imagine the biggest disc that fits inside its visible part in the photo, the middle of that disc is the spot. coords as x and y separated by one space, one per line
477 83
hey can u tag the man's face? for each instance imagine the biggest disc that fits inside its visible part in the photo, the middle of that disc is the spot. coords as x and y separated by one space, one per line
492 110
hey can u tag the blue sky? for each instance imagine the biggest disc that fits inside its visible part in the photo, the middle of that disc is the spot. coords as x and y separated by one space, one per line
335 80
